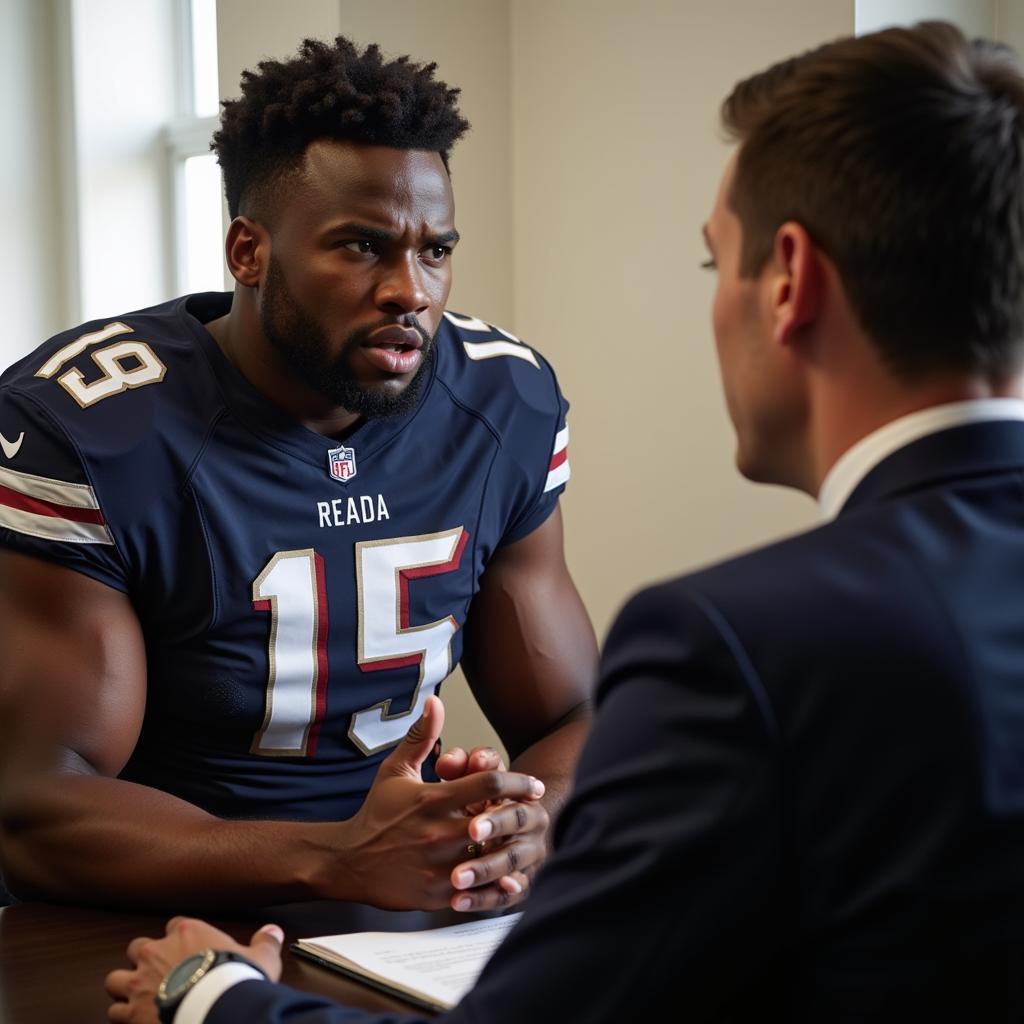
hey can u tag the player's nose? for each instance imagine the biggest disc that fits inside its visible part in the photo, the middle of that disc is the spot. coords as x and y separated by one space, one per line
403 286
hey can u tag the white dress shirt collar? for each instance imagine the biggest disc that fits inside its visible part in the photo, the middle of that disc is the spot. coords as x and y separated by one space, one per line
856 462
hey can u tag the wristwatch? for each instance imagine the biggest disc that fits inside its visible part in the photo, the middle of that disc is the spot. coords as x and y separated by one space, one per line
185 976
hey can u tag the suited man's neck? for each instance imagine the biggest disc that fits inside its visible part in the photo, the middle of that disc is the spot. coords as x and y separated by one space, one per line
848 407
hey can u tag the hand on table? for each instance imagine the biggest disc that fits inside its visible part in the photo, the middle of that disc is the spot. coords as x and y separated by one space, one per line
134 989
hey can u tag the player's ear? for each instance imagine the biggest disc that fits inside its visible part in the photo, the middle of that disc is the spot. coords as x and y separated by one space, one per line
247 250
797 281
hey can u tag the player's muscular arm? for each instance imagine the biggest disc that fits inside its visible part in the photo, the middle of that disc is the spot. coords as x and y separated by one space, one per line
72 694
530 659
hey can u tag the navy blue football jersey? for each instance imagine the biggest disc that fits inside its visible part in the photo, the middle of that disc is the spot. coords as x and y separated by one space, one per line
300 596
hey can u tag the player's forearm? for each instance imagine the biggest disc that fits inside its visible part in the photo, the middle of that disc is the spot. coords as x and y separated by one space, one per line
99 840
552 759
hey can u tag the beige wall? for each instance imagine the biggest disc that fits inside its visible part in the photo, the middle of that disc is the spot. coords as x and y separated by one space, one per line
469 40
1009 23
616 159
580 195
250 30
32 266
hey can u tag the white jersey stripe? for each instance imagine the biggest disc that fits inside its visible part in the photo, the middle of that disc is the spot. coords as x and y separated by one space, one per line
472 323
489 349
557 476
561 440
468 323
53 528
58 492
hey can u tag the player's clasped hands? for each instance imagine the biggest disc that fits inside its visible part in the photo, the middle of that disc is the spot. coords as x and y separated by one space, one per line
506 837
471 842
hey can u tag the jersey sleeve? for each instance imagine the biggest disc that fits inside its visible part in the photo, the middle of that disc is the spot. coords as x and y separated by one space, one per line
549 470
512 389
49 507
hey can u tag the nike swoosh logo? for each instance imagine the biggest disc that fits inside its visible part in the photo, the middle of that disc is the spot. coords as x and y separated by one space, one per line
11 448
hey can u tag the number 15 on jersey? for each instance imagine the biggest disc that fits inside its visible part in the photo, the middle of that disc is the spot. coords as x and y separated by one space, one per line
292 589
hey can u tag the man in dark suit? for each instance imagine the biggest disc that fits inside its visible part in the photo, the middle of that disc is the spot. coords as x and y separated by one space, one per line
803 799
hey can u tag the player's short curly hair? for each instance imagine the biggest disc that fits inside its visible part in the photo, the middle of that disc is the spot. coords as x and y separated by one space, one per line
328 91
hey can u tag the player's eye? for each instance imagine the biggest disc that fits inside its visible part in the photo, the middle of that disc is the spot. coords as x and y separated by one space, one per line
437 253
360 245
709 264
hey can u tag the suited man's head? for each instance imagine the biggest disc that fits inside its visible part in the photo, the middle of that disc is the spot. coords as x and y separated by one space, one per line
878 189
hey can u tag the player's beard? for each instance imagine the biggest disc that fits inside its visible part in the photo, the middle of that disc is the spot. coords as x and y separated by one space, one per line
306 349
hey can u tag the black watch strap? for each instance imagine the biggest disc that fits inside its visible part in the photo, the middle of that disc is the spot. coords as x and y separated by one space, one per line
189 973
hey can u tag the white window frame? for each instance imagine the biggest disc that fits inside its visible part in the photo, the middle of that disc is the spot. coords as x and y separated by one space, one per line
185 136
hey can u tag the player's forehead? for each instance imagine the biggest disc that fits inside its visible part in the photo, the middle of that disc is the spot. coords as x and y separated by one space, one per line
379 184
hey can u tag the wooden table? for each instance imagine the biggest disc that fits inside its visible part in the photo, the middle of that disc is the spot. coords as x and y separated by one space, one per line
53 958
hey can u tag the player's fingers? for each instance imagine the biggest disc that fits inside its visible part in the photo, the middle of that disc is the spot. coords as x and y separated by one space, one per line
510 819
410 754
452 764
491 787
488 898
516 884
519 855
480 759
485 759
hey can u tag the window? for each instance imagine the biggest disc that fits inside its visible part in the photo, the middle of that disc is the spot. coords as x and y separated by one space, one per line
197 235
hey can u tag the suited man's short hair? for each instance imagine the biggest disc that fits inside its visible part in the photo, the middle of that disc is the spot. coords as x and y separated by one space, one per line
902 154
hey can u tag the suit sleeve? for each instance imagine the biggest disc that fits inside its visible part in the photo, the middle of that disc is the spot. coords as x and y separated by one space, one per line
260 1002
665 886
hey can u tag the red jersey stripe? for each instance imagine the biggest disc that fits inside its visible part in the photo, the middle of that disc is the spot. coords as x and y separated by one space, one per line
15 499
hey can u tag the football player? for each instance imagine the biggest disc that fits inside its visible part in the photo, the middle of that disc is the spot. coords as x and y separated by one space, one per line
246 536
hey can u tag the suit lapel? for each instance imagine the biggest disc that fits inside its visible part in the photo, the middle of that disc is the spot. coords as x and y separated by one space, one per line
973 449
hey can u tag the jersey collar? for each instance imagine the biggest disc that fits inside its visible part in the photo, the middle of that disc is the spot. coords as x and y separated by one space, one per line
267 420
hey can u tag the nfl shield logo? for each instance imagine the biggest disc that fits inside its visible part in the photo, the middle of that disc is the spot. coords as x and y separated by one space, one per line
342 463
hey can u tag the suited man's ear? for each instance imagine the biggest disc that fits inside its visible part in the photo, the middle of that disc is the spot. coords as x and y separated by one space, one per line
247 250
797 282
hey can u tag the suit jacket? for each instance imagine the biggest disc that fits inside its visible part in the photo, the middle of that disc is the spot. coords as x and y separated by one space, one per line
803 798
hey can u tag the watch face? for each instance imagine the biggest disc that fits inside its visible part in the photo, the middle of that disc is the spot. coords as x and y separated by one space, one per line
179 977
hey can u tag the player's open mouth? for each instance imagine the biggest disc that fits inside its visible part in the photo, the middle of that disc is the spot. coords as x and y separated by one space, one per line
394 349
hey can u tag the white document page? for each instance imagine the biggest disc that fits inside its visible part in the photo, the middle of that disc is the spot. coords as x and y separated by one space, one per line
442 963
